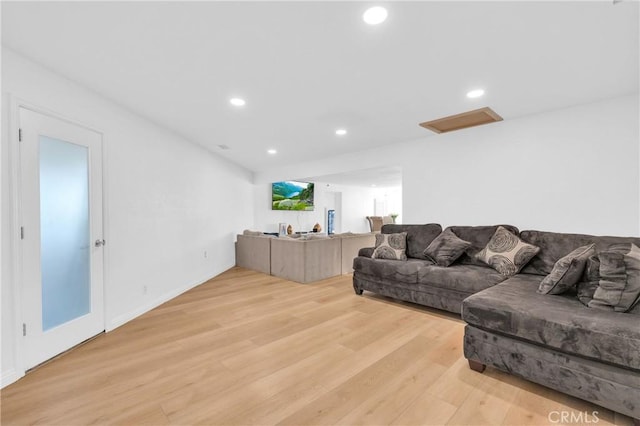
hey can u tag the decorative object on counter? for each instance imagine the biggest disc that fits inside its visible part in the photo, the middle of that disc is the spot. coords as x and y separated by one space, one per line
282 229
289 230
394 216
317 227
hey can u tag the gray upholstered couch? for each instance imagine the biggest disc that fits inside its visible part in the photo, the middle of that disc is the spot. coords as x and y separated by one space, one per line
553 340
418 280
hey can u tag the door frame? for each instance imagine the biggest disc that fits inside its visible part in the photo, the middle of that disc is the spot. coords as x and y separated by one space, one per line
15 197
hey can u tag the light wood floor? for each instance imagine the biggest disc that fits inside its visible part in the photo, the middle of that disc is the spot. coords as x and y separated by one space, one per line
246 348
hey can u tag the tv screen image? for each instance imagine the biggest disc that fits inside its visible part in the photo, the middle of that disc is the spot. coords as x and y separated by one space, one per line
292 195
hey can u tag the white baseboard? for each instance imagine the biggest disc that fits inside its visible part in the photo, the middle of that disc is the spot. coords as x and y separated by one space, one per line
8 377
125 318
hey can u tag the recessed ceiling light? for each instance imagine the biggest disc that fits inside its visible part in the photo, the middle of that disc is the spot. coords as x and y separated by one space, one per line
375 15
341 132
476 93
237 102
272 151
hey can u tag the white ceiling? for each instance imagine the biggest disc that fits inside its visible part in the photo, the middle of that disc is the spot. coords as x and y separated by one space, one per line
308 68
380 177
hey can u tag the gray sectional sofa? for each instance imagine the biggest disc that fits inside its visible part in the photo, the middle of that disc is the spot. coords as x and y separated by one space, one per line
305 259
553 340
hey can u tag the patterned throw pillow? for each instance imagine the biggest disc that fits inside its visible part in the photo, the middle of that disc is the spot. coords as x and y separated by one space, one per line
446 248
506 253
619 287
567 271
391 246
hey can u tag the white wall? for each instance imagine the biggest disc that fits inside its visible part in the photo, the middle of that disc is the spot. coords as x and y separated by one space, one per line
6 327
570 170
356 204
167 202
391 199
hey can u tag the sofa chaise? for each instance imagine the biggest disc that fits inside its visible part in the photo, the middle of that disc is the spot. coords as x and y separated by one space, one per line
555 340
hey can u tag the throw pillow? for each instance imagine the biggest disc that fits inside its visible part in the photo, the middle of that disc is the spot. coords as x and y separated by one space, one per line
567 271
446 248
619 287
506 253
587 287
252 233
316 236
391 246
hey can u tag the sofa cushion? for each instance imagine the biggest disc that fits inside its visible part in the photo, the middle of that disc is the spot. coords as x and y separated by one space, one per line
590 280
316 236
514 308
406 272
554 245
567 271
345 234
391 246
465 278
250 233
619 287
418 236
446 248
478 236
506 253
366 251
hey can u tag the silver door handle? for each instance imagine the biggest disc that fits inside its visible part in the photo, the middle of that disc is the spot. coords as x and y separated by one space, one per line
100 243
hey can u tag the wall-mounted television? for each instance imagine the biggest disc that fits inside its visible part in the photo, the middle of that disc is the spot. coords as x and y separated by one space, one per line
292 195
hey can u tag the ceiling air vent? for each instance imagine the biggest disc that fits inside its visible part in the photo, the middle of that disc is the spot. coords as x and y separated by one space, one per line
473 118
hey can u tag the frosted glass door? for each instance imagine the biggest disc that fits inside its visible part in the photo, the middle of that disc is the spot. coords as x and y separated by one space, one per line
61 236
64 231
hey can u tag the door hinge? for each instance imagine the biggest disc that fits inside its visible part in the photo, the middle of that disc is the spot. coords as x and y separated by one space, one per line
24 329
22 232
19 135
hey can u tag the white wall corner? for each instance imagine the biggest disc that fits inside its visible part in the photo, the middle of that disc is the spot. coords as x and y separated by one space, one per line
8 377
